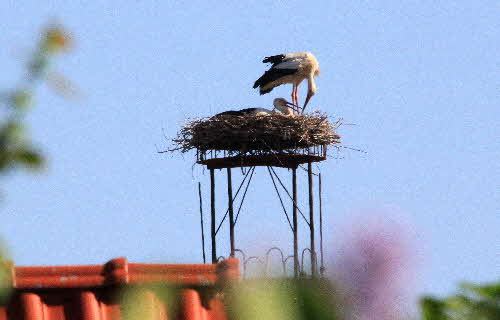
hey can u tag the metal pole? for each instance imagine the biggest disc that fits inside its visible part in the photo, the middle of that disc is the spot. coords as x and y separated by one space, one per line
201 222
230 206
212 205
295 229
314 270
322 268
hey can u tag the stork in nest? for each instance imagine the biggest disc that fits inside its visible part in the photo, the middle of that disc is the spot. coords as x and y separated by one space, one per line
280 104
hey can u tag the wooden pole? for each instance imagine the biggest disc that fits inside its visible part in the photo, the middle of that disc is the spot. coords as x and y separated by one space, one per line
314 270
295 229
230 207
212 207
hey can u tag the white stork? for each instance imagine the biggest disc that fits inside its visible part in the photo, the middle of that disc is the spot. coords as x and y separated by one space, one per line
280 104
290 68
284 106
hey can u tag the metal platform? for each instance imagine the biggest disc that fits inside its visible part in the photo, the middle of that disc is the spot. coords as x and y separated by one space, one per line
291 158
274 160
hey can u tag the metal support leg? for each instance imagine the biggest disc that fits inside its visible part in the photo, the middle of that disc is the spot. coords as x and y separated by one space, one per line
230 206
322 268
202 224
295 229
212 205
311 221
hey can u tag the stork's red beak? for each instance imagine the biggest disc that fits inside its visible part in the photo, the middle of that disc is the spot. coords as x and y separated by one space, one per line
309 95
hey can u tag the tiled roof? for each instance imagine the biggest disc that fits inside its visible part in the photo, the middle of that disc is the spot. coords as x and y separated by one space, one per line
96 291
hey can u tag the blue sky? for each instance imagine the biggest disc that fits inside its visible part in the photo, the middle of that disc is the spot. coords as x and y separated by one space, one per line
418 78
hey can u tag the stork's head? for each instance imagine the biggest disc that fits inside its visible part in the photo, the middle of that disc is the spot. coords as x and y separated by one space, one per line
284 106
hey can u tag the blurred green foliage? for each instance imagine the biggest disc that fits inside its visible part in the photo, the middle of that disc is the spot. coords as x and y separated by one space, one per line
138 302
5 275
16 148
283 299
473 302
310 299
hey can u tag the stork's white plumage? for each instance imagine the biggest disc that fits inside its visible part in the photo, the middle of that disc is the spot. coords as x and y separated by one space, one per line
290 68
283 106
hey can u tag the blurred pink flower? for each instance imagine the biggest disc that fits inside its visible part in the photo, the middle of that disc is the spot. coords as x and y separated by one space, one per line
373 266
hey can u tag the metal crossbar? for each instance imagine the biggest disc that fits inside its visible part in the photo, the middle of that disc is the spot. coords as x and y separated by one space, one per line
201 221
244 195
288 193
234 198
279 196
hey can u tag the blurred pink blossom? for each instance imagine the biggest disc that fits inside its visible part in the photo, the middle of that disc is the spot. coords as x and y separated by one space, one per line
374 267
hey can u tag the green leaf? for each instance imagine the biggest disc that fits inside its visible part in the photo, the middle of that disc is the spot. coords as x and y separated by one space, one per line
29 158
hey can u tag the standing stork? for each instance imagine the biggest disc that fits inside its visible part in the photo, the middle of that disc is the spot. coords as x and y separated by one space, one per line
290 68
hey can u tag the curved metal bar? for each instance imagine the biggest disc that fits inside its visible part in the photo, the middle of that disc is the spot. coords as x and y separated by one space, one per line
221 258
244 258
302 259
259 260
249 260
286 259
282 259
242 253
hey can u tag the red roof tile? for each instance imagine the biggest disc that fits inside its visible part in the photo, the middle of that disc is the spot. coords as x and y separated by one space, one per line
95 291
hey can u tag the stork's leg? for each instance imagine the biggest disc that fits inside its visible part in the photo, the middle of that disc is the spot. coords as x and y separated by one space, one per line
293 95
297 98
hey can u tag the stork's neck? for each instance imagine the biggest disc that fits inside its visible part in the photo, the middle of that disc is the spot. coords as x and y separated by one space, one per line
311 85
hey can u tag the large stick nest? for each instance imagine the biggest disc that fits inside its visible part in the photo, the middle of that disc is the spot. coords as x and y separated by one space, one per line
269 133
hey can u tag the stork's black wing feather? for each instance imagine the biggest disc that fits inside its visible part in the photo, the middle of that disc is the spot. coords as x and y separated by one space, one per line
229 113
270 76
241 112
274 59
248 110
